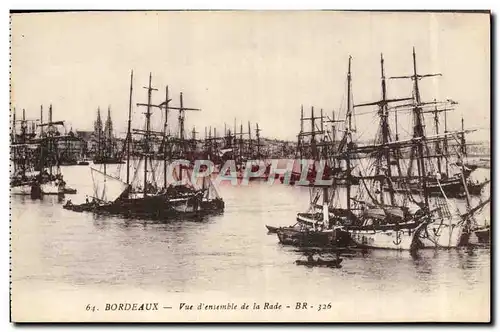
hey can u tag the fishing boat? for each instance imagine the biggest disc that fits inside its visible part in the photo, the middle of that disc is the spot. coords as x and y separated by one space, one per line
318 226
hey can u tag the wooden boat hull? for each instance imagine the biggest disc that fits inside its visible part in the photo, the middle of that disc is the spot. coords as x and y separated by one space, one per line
332 264
305 238
152 207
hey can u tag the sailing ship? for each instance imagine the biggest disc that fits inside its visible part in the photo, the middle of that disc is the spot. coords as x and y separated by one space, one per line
385 211
433 224
451 228
145 198
378 221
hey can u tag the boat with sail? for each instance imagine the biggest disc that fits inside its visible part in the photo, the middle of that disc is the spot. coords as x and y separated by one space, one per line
379 221
141 195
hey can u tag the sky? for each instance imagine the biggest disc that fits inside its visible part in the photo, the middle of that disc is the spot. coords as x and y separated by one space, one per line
252 66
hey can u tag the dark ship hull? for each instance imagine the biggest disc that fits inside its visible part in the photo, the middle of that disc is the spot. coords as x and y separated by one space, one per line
452 187
320 263
305 238
107 160
483 235
155 207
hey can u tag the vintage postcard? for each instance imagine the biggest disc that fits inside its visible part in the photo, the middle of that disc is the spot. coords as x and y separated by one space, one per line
250 166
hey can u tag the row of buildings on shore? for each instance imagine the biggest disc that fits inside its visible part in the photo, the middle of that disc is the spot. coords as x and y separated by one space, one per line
77 145
73 146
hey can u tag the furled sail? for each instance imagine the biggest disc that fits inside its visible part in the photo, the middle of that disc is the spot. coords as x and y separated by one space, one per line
106 188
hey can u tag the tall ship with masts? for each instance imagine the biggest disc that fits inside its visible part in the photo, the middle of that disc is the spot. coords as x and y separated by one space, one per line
394 215
383 210
148 192
451 227
36 162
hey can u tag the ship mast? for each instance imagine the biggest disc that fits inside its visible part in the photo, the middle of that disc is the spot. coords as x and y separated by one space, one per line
418 129
349 117
14 140
445 145
250 148
129 133
301 137
50 142
165 124
257 135
14 126
23 140
181 119
41 120
313 136
437 145
385 132
241 144
147 132
215 141
462 140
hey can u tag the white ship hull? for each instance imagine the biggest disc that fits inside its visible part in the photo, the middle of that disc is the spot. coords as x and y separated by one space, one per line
438 235
383 239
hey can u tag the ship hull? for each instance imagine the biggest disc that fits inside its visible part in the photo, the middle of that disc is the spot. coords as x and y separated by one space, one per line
157 207
452 188
402 236
441 235
305 238
97 161
483 235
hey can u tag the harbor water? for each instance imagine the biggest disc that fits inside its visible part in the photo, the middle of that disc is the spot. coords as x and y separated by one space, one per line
232 254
